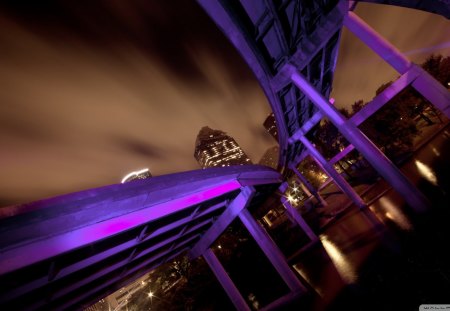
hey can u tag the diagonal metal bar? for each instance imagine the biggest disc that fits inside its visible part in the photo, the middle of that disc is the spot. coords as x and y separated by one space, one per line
341 154
374 156
272 252
226 282
425 84
232 211
329 169
381 99
298 219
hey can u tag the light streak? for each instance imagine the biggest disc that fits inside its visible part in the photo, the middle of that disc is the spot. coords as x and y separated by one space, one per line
134 174
344 267
426 172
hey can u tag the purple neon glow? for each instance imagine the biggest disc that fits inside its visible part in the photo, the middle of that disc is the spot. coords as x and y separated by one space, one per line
41 250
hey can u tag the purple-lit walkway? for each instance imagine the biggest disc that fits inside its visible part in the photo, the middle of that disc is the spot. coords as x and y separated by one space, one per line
77 248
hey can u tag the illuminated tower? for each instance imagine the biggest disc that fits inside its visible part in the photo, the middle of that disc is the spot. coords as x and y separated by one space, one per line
270 157
216 148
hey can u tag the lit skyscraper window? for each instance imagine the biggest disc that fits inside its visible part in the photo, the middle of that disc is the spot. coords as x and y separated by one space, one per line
270 124
270 157
215 148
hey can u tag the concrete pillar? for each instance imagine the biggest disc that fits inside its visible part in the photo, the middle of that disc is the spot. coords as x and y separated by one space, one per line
223 278
429 87
374 156
330 171
272 252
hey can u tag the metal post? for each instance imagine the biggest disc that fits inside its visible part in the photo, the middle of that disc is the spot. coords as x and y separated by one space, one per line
232 211
341 154
227 284
373 155
272 252
384 97
425 84
305 190
329 169
309 187
432 90
298 219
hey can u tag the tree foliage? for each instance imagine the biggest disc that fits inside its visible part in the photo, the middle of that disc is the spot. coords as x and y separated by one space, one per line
395 126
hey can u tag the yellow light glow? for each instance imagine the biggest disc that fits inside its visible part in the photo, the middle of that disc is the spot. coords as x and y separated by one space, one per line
392 212
342 264
436 152
305 276
290 198
426 172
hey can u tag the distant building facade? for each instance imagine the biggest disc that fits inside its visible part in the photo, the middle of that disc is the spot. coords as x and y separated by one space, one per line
101 305
270 124
121 298
270 157
214 148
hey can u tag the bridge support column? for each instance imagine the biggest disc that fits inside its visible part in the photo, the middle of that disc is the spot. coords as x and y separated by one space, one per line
305 190
309 187
425 84
374 156
232 211
299 219
330 171
272 252
223 278
295 215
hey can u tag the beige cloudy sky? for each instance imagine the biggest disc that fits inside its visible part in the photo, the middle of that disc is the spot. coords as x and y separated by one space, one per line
360 71
89 94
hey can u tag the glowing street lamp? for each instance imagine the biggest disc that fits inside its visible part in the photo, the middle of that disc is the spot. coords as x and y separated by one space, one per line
290 198
151 295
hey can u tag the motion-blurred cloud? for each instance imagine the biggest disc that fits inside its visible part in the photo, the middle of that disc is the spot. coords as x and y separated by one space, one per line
90 91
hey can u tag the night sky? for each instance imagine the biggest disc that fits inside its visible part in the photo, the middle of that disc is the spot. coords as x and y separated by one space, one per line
93 90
